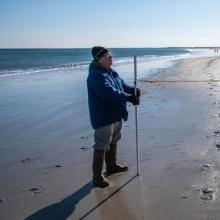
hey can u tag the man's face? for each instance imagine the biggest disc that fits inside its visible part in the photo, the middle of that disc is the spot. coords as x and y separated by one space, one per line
106 60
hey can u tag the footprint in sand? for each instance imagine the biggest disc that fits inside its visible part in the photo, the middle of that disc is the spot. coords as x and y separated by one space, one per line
217 146
56 166
28 159
205 167
217 133
185 197
2 200
37 190
84 148
207 194
86 137
216 116
142 113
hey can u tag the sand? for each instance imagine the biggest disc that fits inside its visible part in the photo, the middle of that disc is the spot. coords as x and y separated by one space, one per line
179 134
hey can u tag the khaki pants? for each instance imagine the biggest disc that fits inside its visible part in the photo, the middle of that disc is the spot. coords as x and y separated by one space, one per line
107 135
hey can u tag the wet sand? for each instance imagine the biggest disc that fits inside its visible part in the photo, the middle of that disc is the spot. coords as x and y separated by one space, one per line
179 137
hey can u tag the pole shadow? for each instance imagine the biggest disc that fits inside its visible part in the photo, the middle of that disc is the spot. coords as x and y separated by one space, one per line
107 198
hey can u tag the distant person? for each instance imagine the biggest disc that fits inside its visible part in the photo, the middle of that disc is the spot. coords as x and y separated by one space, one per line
107 97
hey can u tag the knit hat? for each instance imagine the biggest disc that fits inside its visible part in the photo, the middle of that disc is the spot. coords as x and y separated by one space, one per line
98 52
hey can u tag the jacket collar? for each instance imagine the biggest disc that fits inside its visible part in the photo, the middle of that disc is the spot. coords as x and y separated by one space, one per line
98 65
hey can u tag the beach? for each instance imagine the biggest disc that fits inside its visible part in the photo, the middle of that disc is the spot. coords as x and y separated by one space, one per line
46 148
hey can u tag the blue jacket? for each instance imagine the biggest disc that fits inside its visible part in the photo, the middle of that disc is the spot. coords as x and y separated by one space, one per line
107 95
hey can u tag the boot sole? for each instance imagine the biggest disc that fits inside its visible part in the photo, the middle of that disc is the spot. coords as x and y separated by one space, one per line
108 173
100 185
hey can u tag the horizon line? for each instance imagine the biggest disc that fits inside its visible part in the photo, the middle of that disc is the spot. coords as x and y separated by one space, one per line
205 47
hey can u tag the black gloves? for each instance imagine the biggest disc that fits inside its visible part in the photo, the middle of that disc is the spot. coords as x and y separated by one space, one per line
135 100
138 92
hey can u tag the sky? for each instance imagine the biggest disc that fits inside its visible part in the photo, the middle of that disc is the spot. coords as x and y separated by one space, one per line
112 23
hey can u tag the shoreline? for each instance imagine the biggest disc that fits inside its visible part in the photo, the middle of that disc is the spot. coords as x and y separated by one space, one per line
178 131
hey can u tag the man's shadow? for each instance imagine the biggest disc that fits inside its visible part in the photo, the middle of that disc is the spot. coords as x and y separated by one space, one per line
63 209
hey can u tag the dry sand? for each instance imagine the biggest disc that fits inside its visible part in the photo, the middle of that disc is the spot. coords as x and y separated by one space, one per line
178 133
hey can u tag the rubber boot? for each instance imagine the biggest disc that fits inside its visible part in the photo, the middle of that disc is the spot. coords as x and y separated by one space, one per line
97 166
110 160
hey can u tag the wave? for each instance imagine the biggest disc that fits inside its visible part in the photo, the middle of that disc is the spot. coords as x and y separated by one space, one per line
117 62
7 73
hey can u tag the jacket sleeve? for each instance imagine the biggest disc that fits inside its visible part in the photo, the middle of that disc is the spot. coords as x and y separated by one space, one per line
128 89
102 87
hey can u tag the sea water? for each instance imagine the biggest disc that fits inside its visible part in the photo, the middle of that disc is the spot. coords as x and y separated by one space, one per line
14 62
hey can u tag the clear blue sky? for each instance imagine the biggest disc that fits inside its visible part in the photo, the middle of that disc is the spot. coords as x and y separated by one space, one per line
113 23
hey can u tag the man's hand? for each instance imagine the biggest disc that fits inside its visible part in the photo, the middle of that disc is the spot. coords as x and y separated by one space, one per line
138 91
135 100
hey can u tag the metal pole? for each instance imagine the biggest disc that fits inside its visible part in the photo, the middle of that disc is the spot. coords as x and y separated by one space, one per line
136 119
180 81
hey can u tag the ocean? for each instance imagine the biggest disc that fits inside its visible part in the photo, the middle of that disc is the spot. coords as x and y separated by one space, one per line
15 62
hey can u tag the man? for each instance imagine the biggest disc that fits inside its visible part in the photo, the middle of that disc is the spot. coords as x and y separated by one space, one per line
107 97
